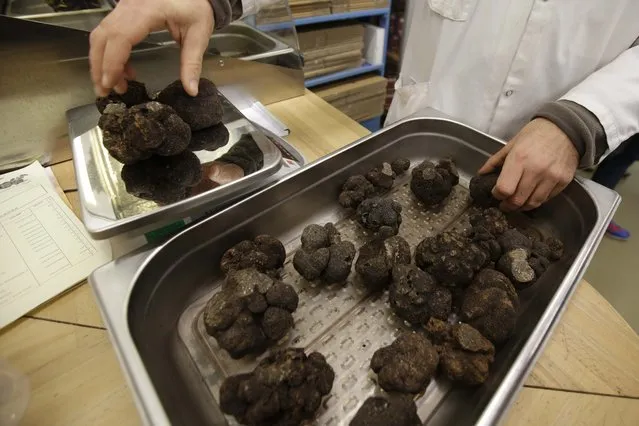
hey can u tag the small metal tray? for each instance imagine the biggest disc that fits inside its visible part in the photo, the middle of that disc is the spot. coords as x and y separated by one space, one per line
108 209
152 301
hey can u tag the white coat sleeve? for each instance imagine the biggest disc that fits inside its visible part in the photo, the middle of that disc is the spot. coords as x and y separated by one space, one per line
612 94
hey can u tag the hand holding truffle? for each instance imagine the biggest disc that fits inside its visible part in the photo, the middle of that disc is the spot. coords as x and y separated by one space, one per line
190 23
537 164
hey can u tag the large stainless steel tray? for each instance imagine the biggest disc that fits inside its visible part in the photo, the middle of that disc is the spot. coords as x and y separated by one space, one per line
108 209
147 298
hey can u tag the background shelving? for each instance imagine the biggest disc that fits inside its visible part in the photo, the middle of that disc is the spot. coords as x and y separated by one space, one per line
378 16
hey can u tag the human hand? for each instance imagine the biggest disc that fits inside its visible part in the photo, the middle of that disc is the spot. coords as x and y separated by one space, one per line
537 164
190 23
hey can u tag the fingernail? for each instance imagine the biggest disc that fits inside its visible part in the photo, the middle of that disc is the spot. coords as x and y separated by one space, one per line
193 84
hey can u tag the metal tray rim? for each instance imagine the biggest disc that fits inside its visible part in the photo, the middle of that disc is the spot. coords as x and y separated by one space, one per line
150 407
101 228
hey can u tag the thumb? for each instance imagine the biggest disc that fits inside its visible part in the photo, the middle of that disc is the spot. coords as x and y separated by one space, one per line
194 44
496 161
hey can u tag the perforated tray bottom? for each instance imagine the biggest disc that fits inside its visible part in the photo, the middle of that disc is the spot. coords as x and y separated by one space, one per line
343 322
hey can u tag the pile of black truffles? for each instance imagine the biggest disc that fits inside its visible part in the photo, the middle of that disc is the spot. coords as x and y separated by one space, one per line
285 389
251 312
135 134
324 255
377 181
460 295
135 127
433 183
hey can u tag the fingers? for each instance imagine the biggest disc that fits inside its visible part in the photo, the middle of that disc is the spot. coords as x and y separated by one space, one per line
559 187
525 187
496 160
540 195
508 180
116 55
121 86
97 42
194 44
129 72
111 43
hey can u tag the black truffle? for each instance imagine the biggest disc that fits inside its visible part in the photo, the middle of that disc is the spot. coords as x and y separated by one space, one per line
204 110
490 305
250 312
382 177
451 258
380 215
378 257
164 180
513 239
245 154
492 220
556 248
415 296
209 139
135 94
432 183
143 130
355 190
481 189
400 165
465 355
264 253
516 266
387 410
407 365
324 255
286 388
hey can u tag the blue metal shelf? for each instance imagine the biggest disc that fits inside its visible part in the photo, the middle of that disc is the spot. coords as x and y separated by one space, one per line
326 18
372 124
352 72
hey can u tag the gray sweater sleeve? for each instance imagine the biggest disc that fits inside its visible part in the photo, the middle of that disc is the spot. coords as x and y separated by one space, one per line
581 126
226 11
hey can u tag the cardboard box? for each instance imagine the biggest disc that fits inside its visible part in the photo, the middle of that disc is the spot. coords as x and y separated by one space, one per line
353 89
332 35
360 98
331 60
363 109
355 5
310 55
307 8
332 69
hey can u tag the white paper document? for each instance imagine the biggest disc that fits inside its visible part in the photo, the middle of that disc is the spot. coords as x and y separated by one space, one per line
44 247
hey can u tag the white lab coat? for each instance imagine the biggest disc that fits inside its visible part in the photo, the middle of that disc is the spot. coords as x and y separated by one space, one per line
492 63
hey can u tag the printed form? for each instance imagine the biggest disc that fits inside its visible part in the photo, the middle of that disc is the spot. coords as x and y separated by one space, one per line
45 249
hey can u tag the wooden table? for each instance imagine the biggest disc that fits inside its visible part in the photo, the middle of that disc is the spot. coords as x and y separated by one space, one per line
587 375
